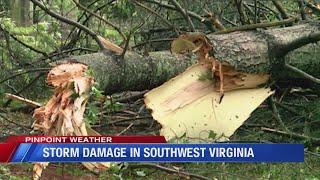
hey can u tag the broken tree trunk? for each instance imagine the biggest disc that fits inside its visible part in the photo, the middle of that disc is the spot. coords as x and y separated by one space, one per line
254 51
63 114
209 100
249 51
188 107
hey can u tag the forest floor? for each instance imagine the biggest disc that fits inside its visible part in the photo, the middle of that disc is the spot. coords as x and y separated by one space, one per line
300 112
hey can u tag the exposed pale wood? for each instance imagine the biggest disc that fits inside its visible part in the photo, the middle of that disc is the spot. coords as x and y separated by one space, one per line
110 46
63 115
190 107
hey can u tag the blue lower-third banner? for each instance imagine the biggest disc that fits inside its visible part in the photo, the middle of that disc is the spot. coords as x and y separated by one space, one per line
71 152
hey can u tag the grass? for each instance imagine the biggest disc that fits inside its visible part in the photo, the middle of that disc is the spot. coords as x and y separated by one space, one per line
310 169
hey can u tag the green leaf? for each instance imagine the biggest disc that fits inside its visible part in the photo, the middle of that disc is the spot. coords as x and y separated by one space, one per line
141 173
212 135
96 92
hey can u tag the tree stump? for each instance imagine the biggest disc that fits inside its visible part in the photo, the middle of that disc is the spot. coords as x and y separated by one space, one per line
63 114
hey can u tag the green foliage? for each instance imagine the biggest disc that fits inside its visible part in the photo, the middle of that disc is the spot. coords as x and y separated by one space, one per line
93 108
95 92
2 91
112 35
115 106
42 36
124 9
49 34
92 113
89 72
6 173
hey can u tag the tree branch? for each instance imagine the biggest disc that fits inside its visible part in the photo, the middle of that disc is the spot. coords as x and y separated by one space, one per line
184 14
270 9
22 73
101 18
168 6
7 103
156 14
313 139
277 114
278 5
22 43
13 122
22 99
301 8
297 43
243 18
194 15
258 25
76 35
8 45
70 22
302 73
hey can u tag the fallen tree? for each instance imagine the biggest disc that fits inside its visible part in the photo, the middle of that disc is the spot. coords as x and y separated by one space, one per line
258 51
253 52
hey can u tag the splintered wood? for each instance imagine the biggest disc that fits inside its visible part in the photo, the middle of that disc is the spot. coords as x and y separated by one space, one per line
110 46
63 114
187 106
210 100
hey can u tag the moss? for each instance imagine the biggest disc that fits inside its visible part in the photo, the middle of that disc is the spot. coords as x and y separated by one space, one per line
205 76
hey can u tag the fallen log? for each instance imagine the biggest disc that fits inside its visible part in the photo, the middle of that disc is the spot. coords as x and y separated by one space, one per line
258 51
137 72
248 51
189 106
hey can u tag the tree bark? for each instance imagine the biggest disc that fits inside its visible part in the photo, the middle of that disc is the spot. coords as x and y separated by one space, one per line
249 51
253 51
136 72
20 12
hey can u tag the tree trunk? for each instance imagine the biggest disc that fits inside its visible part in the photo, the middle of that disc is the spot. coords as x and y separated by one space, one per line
136 72
249 51
252 51
20 12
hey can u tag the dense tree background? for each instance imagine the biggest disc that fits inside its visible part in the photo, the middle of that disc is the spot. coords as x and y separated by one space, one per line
32 39
34 34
